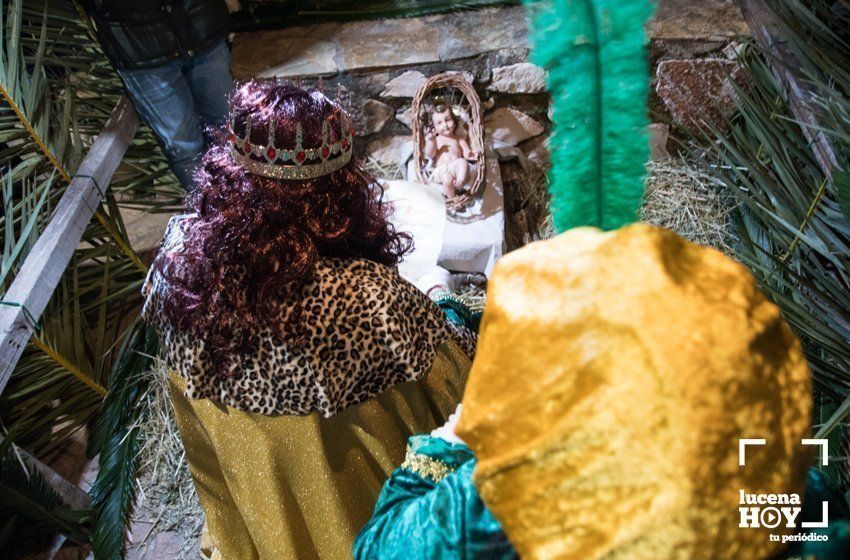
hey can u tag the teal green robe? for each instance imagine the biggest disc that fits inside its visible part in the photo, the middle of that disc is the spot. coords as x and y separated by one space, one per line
429 509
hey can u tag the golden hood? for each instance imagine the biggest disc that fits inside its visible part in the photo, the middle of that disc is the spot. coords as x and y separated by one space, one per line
615 374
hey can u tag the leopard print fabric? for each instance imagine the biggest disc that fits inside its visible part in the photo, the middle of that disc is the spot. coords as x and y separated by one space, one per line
464 338
367 330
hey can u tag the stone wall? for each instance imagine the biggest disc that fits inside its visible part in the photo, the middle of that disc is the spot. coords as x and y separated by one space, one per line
691 43
378 66
689 40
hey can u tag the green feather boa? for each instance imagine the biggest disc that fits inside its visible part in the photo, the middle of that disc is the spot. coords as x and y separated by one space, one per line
594 51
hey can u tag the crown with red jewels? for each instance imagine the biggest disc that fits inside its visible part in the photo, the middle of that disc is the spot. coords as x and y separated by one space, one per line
298 163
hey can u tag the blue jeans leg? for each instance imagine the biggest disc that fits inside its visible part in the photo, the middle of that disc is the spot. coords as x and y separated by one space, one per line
163 99
211 84
180 100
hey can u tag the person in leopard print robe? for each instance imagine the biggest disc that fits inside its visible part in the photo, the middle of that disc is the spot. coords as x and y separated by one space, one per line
300 361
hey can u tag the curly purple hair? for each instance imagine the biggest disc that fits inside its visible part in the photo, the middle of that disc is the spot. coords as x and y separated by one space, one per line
254 241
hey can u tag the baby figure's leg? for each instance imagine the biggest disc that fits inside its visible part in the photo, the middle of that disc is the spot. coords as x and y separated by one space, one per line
448 182
460 169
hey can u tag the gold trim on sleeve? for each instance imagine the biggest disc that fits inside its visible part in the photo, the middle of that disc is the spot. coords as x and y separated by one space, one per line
426 467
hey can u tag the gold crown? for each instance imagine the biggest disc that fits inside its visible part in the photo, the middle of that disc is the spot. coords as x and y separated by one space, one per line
298 163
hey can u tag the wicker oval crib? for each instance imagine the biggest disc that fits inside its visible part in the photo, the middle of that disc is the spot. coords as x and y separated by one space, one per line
449 89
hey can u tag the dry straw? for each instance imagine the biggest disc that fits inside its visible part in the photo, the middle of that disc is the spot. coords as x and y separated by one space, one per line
686 200
167 499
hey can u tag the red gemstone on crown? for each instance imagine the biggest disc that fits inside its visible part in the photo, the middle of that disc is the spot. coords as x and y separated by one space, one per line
326 152
345 143
300 157
232 138
271 152
246 147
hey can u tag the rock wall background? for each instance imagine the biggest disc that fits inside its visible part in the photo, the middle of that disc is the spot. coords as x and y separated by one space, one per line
377 67
691 48
380 63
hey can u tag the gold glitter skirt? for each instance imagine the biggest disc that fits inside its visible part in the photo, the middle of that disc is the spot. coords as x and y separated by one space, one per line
301 487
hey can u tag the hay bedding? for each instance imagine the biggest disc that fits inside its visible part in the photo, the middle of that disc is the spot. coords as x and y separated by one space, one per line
686 200
167 502
678 197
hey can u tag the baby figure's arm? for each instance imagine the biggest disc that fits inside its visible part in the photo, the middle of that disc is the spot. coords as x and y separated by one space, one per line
468 153
430 148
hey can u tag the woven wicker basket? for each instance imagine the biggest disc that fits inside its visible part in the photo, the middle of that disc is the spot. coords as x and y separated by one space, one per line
452 90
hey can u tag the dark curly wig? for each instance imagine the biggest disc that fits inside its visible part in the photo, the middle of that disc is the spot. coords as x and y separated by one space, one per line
254 241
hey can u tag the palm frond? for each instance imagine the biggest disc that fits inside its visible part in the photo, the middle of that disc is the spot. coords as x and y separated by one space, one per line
793 234
792 225
8 527
29 503
841 180
116 438
58 92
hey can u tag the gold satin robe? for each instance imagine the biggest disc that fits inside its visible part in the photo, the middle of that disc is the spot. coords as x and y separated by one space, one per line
302 487
289 453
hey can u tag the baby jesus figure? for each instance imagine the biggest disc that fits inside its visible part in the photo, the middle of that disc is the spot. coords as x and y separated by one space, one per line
451 155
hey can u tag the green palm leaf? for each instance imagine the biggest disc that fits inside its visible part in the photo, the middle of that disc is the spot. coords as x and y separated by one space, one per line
58 91
29 503
841 180
792 221
116 438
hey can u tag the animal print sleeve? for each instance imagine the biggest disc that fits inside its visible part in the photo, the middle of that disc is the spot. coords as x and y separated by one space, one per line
464 338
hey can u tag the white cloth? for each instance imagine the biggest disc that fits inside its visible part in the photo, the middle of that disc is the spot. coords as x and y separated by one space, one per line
420 211
474 239
439 278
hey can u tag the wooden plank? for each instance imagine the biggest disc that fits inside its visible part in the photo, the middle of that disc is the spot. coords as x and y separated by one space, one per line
40 273
73 496
763 23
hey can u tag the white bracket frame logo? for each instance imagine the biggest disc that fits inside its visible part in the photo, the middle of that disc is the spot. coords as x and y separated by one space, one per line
824 461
